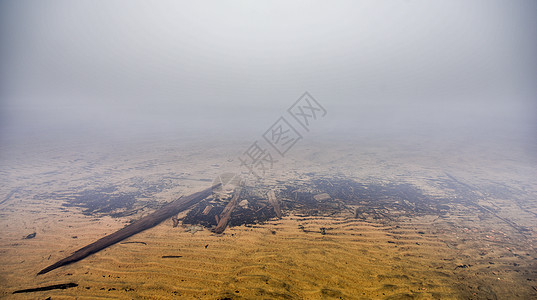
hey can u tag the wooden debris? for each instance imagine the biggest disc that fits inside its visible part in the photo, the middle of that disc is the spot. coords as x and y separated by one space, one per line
275 203
62 286
226 213
144 223
133 242
244 204
175 221
207 210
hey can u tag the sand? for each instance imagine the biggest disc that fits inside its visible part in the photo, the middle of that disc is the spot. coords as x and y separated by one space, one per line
485 251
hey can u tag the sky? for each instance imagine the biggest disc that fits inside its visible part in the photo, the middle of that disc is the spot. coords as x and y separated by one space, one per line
135 68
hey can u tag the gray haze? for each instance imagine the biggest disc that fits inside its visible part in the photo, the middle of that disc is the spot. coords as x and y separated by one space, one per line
116 69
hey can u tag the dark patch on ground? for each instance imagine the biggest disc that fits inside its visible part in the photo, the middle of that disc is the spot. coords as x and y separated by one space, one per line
258 210
318 196
111 201
372 201
381 201
104 200
196 216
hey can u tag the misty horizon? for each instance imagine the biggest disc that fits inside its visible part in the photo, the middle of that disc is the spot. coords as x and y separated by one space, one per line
450 67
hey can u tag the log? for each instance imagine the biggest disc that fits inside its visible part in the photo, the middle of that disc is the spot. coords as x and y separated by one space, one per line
62 286
175 221
207 210
275 203
226 213
144 223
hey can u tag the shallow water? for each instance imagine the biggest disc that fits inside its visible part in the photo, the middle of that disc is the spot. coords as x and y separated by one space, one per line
376 219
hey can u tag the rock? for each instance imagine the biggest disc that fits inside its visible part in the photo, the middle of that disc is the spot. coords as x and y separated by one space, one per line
322 197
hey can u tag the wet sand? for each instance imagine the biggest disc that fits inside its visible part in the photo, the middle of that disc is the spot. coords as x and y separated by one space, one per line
482 247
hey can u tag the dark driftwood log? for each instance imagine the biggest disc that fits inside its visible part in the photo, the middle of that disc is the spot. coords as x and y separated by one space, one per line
226 213
62 286
144 223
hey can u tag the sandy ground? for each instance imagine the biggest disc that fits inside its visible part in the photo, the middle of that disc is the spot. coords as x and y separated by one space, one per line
486 251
